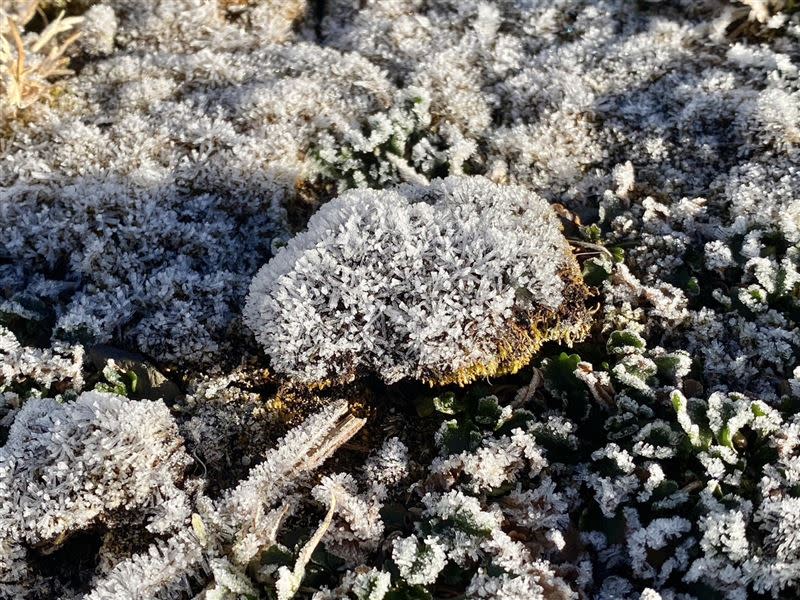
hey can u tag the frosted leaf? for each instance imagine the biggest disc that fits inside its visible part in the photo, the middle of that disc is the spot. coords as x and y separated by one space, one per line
363 583
357 527
419 561
387 466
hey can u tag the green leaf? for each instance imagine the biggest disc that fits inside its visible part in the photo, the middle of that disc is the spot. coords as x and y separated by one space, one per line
641 369
624 340
448 404
693 286
458 437
668 365
134 380
489 412
678 401
591 233
464 521
726 437
559 374
596 271
117 388
519 419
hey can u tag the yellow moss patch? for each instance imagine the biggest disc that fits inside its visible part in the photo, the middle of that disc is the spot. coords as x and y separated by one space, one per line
526 335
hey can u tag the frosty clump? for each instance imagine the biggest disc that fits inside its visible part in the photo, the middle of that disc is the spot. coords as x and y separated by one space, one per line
228 536
139 201
29 371
101 459
442 283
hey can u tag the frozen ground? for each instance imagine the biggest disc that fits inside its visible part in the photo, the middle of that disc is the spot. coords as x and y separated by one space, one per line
503 409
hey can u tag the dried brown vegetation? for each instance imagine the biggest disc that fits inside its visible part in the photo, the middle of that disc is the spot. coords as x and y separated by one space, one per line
30 61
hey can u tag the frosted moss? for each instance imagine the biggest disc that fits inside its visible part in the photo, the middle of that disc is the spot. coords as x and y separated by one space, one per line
442 283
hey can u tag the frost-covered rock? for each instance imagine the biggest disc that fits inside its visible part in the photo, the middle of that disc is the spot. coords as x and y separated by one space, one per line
442 283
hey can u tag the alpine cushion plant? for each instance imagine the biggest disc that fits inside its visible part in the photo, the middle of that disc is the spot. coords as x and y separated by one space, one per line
444 283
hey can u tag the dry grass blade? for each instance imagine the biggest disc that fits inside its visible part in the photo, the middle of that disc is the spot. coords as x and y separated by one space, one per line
26 70
343 431
24 12
289 581
20 64
58 26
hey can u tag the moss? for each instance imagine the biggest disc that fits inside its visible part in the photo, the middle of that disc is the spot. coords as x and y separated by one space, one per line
524 337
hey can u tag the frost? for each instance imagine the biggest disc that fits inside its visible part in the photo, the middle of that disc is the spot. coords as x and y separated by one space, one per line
419 561
56 479
98 30
363 583
429 282
241 524
496 462
101 459
141 194
357 526
157 211
25 368
718 255
387 467
163 570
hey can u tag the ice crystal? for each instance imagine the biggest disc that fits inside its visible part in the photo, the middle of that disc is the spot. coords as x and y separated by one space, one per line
101 459
419 561
241 524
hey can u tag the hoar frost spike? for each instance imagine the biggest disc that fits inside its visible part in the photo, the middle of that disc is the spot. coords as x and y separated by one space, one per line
444 283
